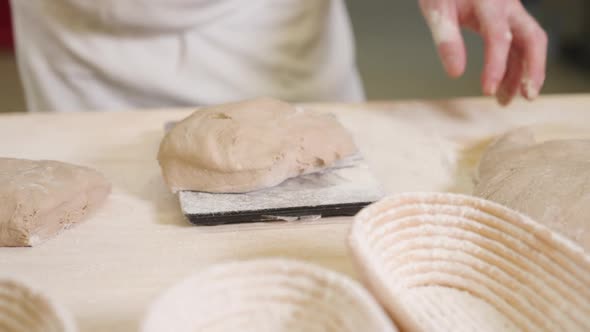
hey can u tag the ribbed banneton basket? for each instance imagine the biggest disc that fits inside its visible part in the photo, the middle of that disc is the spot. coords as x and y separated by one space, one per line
449 262
23 308
267 295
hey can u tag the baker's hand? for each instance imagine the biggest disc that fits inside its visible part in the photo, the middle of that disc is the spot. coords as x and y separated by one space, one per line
515 44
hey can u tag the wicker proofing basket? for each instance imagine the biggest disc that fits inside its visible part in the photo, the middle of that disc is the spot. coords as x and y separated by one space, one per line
267 295
448 262
23 308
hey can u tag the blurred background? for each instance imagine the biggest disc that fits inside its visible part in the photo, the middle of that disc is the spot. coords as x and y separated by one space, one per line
395 54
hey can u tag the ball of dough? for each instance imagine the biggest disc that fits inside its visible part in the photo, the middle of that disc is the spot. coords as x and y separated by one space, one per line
250 145
549 181
42 198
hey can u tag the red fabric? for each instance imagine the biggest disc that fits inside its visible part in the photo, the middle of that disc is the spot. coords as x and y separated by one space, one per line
6 41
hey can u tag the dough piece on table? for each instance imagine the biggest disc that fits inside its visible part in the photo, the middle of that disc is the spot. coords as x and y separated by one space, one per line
250 145
549 181
271 294
41 198
449 262
23 308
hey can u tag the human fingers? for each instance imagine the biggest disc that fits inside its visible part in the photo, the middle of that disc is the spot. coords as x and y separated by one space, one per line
441 17
532 42
511 81
495 30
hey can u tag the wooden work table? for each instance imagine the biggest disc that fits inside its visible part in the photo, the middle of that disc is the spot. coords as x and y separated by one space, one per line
109 268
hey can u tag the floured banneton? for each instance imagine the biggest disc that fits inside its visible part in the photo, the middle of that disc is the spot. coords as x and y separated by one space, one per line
549 181
448 262
23 308
41 198
250 145
267 295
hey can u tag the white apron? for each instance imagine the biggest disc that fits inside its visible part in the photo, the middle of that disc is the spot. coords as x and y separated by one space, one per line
76 55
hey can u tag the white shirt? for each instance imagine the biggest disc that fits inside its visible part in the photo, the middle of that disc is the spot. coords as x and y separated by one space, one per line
76 55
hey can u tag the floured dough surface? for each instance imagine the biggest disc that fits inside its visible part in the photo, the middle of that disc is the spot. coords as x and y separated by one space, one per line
250 145
549 181
42 198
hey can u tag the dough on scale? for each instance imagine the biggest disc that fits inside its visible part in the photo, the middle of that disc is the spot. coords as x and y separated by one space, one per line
549 181
41 198
250 145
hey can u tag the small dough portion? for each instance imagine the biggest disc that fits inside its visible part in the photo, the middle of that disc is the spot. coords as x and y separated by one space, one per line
42 198
250 145
549 181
